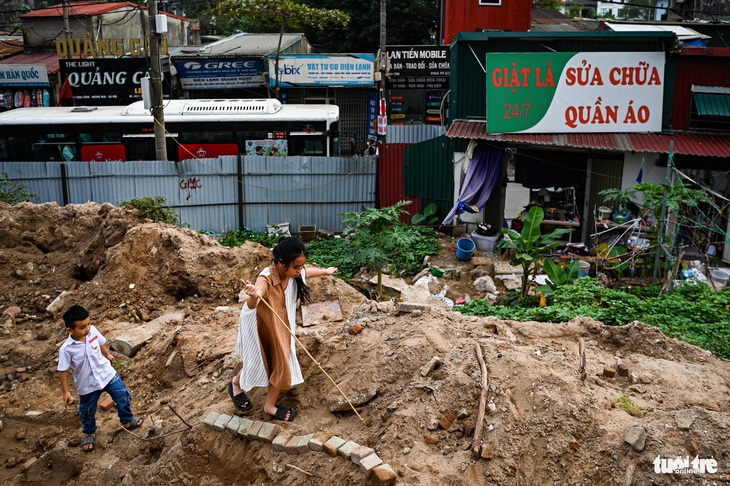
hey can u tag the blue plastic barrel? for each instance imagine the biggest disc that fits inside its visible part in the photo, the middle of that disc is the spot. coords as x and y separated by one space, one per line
465 248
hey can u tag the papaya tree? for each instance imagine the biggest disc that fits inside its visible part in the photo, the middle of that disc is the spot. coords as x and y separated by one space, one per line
377 236
530 245
286 14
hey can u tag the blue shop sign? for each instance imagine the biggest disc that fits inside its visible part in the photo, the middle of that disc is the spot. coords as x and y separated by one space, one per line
220 73
23 75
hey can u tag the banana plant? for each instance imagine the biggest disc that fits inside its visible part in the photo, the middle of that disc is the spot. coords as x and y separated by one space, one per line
529 245
429 215
557 276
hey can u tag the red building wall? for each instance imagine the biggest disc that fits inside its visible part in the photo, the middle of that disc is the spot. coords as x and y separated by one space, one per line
468 16
697 66
391 182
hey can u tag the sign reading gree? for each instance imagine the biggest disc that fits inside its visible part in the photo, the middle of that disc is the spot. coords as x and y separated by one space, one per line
574 92
107 47
211 74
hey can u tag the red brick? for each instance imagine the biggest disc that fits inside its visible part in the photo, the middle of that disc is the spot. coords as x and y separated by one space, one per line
107 403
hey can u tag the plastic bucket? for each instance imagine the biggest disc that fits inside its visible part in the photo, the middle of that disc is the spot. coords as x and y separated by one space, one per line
583 268
465 248
485 243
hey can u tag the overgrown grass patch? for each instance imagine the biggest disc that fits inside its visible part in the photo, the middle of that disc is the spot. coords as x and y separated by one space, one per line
234 238
695 314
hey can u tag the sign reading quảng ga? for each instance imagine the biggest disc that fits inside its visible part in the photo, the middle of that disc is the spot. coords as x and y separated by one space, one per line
574 92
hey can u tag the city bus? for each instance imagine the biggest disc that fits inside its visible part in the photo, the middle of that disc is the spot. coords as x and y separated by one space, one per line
193 129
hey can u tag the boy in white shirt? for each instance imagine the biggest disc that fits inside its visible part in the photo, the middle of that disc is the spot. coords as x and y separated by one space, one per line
85 353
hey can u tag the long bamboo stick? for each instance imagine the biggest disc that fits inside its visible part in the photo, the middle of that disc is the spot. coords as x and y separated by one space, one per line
311 357
476 447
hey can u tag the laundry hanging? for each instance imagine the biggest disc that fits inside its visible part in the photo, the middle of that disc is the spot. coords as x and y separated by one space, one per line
481 178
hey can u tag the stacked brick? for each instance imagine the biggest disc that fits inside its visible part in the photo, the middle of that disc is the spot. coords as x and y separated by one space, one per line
364 457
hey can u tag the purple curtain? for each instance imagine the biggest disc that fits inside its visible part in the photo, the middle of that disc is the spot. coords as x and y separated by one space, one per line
481 178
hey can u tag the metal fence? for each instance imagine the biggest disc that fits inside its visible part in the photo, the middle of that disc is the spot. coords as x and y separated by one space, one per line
217 195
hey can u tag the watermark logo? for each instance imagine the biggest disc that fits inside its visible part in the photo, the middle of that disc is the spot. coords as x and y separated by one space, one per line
684 465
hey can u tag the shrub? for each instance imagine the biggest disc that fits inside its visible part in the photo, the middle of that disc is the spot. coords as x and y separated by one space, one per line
12 193
153 208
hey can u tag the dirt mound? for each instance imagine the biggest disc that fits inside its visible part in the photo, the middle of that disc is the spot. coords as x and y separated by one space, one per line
544 423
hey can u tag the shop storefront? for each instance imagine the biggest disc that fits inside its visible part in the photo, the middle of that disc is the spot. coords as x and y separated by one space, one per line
25 80
417 81
105 81
345 80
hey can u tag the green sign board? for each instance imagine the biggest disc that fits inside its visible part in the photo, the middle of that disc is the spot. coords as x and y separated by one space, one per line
574 92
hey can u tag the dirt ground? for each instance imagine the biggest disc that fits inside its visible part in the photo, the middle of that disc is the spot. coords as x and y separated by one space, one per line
543 424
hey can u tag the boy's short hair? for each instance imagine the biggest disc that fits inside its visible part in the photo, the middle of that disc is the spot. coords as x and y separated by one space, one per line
73 315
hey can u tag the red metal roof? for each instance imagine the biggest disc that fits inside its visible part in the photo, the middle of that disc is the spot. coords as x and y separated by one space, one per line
50 59
77 8
684 143
8 47
85 8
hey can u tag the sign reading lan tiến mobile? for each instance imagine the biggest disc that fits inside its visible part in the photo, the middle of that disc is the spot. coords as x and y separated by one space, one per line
574 92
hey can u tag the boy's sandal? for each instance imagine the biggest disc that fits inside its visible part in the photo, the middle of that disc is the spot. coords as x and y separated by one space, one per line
135 423
88 440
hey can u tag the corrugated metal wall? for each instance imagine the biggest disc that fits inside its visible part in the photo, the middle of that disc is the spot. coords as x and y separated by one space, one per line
391 182
215 194
469 16
413 133
699 71
429 172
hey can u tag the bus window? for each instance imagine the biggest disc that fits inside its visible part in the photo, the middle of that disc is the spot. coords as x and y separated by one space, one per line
100 137
306 145
16 148
54 146
140 148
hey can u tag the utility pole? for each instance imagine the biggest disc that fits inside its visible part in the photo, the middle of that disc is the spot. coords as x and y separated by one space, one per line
382 65
66 28
158 108
663 216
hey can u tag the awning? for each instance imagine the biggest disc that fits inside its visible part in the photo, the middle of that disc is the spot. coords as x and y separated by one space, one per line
701 145
712 104
48 59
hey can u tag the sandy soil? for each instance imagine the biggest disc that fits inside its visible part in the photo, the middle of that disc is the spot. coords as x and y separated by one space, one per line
543 424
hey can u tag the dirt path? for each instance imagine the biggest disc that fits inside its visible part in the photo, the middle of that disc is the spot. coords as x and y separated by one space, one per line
543 425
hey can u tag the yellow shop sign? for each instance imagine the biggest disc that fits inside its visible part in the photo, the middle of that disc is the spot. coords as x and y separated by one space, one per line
106 47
